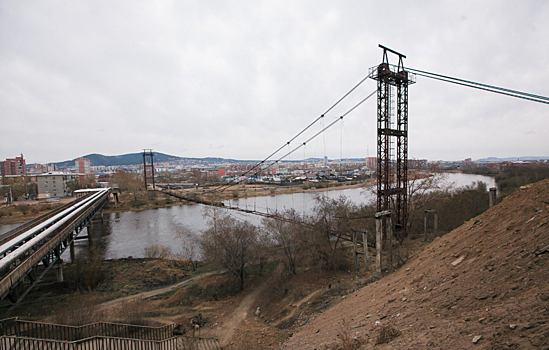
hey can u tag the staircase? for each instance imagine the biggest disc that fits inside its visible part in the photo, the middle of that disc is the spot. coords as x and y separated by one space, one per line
27 335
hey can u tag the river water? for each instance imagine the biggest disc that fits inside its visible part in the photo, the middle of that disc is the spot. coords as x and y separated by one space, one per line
126 234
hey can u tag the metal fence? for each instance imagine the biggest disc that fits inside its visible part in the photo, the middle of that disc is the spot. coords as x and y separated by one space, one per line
93 343
191 343
29 329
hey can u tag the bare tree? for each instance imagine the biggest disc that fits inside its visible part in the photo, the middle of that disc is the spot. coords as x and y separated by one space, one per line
190 247
329 224
287 232
128 182
230 243
423 191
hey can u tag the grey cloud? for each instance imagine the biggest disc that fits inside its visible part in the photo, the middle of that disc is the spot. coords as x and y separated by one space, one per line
188 77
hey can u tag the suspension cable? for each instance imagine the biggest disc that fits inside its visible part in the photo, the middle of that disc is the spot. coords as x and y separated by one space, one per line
230 183
324 129
480 86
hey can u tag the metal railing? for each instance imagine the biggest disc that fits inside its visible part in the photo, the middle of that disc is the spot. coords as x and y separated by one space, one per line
57 237
29 335
92 343
34 222
191 343
50 331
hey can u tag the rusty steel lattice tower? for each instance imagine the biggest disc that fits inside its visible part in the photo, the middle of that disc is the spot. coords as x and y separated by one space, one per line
148 168
392 139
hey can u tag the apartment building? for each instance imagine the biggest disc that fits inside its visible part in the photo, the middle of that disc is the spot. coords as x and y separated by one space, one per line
13 166
54 184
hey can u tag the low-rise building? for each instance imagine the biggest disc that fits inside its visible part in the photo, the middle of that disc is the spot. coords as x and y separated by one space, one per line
55 184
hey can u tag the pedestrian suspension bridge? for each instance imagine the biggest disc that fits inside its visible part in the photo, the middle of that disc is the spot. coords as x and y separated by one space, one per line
28 252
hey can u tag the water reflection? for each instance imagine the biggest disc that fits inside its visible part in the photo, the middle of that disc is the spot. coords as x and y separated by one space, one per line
126 234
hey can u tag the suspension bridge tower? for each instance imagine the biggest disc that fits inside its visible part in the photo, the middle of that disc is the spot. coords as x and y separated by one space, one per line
148 168
392 139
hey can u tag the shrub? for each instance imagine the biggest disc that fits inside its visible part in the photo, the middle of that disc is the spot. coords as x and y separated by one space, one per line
23 209
79 310
386 334
193 295
131 312
157 252
89 273
345 339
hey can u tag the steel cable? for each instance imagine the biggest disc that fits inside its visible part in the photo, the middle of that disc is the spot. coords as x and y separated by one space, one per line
223 187
480 86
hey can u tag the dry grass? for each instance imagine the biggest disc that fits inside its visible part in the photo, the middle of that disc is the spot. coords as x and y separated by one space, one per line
386 334
157 252
79 310
132 312
345 339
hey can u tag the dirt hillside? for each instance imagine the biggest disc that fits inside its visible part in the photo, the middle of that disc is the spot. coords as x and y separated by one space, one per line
484 285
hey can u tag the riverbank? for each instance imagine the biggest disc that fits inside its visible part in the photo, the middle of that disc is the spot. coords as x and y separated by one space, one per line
21 212
142 200
25 211
261 190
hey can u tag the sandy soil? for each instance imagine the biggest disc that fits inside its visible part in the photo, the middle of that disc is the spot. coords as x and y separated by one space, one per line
297 305
484 285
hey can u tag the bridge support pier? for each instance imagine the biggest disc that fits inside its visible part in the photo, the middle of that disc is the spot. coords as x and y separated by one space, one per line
89 229
59 270
365 244
72 252
389 242
378 244
435 222
355 235
380 218
493 196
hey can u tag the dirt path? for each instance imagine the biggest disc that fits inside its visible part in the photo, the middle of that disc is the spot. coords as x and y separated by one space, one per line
297 305
151 293
240 313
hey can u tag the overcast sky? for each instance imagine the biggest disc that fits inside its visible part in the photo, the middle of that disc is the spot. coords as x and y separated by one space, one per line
237 79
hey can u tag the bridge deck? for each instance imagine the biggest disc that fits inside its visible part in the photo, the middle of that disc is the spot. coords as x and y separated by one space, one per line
43 244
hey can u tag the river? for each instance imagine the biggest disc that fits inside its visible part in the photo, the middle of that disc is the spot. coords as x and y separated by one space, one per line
127 234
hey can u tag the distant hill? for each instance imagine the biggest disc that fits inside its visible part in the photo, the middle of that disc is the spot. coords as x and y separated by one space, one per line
509 159
137 158
124 159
